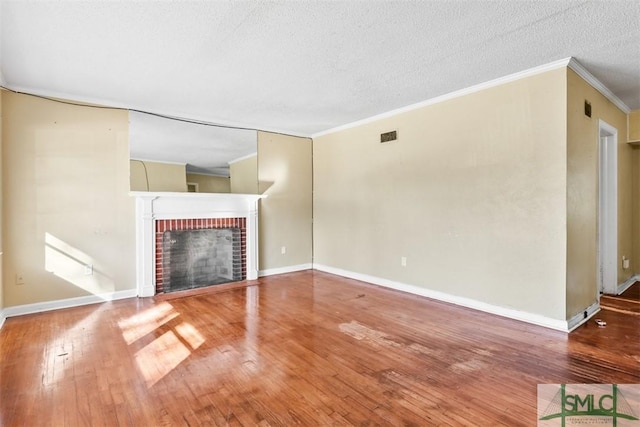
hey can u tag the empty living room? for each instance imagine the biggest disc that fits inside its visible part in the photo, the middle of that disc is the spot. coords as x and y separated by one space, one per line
244 213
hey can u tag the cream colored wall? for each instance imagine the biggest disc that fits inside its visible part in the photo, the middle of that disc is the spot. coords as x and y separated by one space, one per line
285 174
66 203
1 227
636 210
582 191
473 194
243 176
210 184
157 176
634 125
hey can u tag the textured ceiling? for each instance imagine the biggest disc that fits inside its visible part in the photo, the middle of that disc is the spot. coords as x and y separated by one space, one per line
301 67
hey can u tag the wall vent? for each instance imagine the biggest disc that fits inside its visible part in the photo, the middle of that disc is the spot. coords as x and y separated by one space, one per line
587 108
389 136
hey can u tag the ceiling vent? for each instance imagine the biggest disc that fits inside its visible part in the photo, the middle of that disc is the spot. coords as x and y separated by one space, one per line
389 136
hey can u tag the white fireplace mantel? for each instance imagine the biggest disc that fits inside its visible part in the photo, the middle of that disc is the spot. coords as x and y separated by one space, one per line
152 206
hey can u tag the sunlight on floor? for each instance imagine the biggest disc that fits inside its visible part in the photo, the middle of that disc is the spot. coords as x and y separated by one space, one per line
166 352
75 266
160 357
146 322
252 320
190 335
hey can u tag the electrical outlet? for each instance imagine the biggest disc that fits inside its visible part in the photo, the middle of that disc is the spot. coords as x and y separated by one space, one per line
403 261
19 279
88 270
625 262
283 250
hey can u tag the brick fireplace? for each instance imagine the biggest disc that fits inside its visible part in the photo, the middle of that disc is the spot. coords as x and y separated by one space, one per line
164 227
157 213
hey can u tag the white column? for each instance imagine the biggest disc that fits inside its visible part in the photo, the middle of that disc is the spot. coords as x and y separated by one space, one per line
252 241
145 247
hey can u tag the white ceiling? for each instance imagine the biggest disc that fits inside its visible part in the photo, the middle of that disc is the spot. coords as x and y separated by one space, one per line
298 67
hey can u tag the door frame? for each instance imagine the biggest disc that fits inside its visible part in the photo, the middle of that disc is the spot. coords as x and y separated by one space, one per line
607 228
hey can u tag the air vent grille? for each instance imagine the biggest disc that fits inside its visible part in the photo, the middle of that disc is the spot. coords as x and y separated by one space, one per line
389 136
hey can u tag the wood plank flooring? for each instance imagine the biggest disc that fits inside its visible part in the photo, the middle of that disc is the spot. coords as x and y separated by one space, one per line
305 348
628 302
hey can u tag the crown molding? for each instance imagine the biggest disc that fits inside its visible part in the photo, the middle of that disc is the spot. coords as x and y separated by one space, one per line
239 159
166 162
597 84
451 95
208 174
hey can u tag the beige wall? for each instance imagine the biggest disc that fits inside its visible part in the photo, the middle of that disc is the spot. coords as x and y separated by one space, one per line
636 210
1 203
634 125
473 194
243 175
582 191
157 176
66 203
634 135
285 174
209 183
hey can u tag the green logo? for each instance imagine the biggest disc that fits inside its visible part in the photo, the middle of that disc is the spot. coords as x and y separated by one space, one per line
588 404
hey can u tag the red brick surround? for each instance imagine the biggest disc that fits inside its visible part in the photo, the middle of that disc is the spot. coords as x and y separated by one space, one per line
163 225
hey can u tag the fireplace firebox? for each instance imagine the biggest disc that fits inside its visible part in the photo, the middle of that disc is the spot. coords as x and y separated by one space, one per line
197 258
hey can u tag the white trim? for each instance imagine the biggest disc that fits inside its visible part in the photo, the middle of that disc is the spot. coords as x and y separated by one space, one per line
239 197
523 316
165 162
597 84
239 159
455 94
566 62
627 283
284 270
3 317
608 207
208 174
580 318
20 310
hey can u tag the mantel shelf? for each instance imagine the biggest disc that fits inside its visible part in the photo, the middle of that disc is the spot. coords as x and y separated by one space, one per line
167 194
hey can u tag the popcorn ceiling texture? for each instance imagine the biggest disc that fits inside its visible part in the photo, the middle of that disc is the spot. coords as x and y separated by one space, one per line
303 67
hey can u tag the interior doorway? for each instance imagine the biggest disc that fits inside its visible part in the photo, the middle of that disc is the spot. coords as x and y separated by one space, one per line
607 209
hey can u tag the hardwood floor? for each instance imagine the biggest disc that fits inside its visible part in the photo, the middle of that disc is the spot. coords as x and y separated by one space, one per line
305 348
628 302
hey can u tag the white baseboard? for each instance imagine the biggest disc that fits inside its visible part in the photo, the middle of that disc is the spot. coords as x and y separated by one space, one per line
19 310
580 318
3 317
523 316
283 270
627 283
